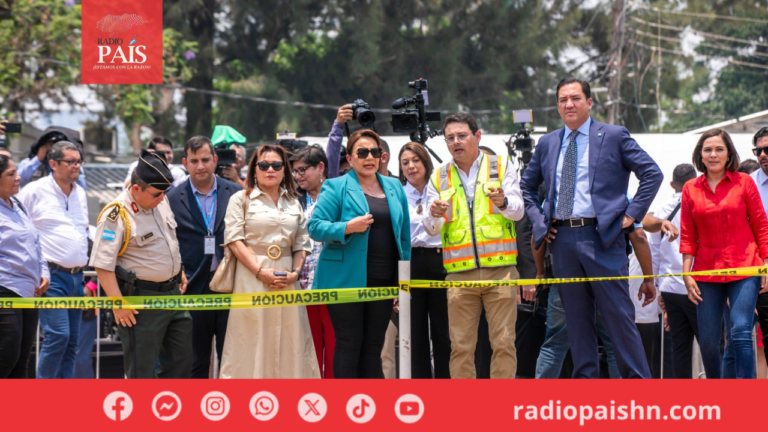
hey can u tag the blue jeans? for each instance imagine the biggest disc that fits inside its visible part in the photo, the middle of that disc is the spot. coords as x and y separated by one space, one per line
61 328
86 341
742 295
728 369
553 351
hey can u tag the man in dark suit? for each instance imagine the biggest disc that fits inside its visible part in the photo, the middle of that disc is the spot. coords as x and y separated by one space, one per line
585 216
199 205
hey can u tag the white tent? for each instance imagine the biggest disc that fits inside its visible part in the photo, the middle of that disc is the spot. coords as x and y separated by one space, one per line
668 150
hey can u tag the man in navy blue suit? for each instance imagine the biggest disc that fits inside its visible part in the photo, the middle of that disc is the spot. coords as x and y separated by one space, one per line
585 216
199 205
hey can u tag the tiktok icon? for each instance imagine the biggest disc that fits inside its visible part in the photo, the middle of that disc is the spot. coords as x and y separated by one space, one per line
118 406
361 408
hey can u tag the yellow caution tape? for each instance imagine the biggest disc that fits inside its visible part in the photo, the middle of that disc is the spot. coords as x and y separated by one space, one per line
210 301
743 271
312 297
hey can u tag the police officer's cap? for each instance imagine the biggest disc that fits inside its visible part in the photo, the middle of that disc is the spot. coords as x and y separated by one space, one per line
153 170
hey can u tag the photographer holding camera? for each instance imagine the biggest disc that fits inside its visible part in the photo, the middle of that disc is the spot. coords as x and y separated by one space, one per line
232 172
360 111
229 144
36 165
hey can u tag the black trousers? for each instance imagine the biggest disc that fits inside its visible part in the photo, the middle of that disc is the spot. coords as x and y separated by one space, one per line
762 317
684 326
647 336
18 328
206 325
429 316
360 329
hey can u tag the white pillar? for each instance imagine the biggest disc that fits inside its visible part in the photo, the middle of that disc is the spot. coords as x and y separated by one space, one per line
404 331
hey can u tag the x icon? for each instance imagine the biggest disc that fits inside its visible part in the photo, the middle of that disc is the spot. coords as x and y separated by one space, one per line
312 407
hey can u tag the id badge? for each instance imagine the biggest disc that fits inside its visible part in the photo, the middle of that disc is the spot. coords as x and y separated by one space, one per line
210 245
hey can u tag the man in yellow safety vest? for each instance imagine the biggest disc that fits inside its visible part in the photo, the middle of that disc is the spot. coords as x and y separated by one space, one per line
473 203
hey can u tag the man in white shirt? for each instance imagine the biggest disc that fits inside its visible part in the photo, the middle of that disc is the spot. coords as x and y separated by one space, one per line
760 141
163 146
478 244
58 208
665 250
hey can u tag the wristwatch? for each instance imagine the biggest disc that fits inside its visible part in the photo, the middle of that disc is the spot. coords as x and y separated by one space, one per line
505 204
298 273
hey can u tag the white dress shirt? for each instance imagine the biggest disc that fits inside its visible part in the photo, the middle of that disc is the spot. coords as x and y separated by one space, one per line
762 186
643 314
61 220
419 236
510 183
665 254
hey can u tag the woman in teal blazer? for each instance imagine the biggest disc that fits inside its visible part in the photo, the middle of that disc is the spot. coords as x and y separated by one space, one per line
362 219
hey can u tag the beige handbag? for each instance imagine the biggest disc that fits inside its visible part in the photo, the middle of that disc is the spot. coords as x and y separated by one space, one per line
224 279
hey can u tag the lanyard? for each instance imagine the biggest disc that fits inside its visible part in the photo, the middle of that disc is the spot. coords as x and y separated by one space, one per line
207 218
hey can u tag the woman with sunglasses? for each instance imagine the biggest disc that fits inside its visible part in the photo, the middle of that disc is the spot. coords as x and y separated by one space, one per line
270 242
362 219
429 307
310 169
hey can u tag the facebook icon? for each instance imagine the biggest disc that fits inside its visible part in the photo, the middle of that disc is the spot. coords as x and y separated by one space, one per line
118 406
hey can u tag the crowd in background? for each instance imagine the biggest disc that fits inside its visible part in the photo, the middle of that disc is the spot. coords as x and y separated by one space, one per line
316 219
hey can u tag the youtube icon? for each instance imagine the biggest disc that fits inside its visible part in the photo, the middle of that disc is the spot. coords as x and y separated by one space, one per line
409 408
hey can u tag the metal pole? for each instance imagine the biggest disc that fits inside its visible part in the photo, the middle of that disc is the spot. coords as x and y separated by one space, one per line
663 333
404 331
37 347
98 332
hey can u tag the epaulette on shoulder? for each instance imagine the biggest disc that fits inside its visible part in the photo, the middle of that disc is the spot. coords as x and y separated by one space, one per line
114 213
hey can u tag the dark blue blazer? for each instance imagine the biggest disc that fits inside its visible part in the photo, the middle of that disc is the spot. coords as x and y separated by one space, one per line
613 155
191 231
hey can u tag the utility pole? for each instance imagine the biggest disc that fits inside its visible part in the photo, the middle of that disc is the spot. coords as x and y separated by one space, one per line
617 43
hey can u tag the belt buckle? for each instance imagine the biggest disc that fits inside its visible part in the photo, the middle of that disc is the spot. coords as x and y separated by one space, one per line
274 255
570 223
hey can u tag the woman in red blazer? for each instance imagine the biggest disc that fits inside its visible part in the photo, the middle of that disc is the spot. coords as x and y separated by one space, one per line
723 225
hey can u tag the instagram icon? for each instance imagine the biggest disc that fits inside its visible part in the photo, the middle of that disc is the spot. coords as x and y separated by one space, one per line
215 406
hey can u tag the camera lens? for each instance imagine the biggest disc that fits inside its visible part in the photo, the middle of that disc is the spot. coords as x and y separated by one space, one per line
365 117
408 122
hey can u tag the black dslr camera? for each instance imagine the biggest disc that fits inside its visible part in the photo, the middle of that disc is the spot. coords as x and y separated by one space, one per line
227 157
361 112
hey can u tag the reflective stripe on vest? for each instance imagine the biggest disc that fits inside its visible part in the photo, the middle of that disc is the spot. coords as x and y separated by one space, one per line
495 235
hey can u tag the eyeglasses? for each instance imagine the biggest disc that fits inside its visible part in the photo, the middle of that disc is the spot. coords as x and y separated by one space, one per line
363 153
758 150
264 165
301 171
458 138
72 162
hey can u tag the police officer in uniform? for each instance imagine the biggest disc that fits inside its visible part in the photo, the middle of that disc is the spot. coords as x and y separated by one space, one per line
136 253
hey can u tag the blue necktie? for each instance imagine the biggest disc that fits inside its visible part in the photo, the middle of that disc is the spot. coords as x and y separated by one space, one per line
568 179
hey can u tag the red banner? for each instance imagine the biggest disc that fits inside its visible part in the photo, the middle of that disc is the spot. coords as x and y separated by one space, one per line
540 405
122 42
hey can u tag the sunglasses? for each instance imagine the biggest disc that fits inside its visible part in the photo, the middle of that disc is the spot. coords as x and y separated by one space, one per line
419 208
757 151
156 195
363 153
264 165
